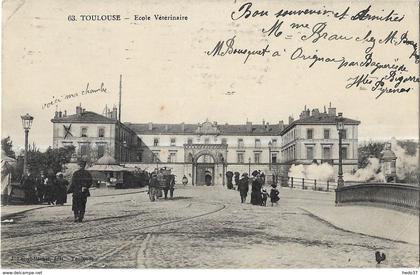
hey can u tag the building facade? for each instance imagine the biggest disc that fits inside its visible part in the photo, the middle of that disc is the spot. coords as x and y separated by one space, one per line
204 152
313 138
92 135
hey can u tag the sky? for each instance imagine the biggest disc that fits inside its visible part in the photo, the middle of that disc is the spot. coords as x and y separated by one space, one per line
168 78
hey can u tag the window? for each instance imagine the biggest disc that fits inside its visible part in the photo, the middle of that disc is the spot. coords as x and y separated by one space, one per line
155 142
240 157
155 156
173 141
326 133
257 143
101 150
257 157
309 152
240 143
84 149
326 151
344 134
172 157
206 140
273 157
344 152
101 132
189 141
224 141
309 133
274 142
84 132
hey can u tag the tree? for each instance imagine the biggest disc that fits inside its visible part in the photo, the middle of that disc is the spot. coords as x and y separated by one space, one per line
366 151
6 146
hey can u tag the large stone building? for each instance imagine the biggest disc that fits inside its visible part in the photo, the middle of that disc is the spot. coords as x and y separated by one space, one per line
313 138
204 152
92 135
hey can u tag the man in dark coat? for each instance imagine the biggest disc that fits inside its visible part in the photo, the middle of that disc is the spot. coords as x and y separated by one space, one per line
29 186
237 179
229 176
243 187
80 184
61 189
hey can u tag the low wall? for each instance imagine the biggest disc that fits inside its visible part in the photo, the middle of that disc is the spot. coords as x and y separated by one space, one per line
399 195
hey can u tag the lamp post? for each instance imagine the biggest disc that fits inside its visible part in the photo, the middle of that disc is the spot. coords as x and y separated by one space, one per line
249 166
269 154
340 129
26 123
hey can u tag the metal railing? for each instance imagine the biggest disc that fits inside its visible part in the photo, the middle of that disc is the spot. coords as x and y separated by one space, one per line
309 184
400 195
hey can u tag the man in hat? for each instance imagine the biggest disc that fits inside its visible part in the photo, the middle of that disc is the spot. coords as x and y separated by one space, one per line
243 187
80 184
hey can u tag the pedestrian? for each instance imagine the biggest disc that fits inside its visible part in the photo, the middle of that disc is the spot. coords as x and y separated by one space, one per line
243 187
274 194
264 197
184 180
153 187
80 184
49 187
229 176
40 190
256 188
61 189
29 186
236 177
171 185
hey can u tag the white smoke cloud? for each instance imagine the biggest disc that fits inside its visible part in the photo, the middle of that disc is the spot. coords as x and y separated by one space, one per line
322 172
370 173
406 164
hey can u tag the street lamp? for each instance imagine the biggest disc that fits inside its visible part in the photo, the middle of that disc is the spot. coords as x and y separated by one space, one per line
340 129
26 123
269 153
249 166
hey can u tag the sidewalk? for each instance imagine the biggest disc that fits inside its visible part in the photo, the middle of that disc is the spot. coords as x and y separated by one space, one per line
11 210
373 221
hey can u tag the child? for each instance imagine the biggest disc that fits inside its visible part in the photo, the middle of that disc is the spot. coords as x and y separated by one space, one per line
264 196
274 195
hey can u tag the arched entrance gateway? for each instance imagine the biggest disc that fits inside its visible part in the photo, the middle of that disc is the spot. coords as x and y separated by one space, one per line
207 163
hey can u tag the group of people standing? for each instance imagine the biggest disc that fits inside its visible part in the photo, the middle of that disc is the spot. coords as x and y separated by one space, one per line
259 194
53 189
50 188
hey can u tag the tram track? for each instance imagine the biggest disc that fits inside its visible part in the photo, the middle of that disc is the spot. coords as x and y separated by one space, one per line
130 241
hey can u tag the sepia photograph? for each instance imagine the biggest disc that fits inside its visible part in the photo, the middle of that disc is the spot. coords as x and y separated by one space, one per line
223 134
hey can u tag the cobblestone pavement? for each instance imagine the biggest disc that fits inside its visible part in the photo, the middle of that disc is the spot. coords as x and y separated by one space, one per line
203 227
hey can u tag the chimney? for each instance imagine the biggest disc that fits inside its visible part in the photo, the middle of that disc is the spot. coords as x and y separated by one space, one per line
78 110
56 114
281 124
249 126
114 112
263 123
65 113
60 114
315 112
183 127
83 110
291 120
332 111
150 126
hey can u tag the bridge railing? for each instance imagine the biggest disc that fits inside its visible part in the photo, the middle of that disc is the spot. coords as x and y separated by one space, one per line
400 195
309 184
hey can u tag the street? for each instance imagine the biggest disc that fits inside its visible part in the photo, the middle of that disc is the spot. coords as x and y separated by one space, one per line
202 227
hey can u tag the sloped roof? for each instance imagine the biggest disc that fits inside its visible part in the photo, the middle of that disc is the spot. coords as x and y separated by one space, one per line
106 159
191 129
321 118
85 117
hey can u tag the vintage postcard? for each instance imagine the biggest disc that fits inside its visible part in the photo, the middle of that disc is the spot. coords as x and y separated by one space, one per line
210 134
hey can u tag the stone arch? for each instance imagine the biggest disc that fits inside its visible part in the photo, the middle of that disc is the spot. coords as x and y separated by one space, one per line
205 152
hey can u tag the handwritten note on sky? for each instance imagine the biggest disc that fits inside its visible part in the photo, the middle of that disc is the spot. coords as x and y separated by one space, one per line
373 46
